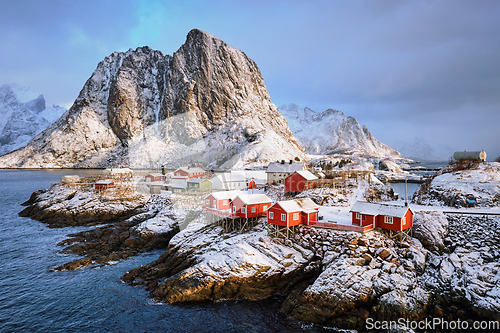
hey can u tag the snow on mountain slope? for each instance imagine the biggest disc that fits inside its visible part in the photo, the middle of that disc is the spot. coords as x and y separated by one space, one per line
22 116
330 131
205 104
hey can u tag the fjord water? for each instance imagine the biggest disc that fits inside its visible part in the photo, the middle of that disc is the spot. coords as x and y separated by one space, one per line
33 299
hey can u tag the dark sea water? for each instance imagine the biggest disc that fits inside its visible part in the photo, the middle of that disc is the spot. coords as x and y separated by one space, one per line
32 299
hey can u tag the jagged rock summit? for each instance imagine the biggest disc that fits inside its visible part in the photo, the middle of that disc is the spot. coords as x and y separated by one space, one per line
23 115
205 104
332 131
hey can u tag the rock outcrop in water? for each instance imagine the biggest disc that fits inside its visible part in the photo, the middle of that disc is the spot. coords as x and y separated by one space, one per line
205 104
133 223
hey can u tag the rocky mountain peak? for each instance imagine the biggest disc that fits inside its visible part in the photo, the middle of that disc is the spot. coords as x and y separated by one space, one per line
207 103
329 131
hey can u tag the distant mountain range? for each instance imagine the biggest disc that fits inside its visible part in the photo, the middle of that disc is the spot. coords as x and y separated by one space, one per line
331 131
206 104
23 115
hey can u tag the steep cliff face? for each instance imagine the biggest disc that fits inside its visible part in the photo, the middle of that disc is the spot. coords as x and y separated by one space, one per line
206 104
331 130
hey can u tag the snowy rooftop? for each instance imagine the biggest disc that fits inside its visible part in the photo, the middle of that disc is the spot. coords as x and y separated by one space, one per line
301 204
226 194
286 167
104 182
234 176
190 169
307 175
156 174
258 198
373 209
114 171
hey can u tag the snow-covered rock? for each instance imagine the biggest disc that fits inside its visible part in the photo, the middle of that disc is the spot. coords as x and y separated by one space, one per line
454 183
207 104
203 263
388 165
332 131
430 228
62 206
23 115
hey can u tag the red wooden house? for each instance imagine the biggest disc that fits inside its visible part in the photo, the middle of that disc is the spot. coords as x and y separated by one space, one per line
218 203
101 185
189 172
250 205
298 181
293 212
155 177
391 217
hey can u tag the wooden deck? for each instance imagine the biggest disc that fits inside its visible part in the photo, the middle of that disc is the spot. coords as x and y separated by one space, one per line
336 226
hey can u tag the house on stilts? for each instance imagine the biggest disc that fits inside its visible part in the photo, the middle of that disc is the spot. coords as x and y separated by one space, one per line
284 216
235 209
397 219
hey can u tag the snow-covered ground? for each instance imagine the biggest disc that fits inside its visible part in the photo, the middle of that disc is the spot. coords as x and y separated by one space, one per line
452 186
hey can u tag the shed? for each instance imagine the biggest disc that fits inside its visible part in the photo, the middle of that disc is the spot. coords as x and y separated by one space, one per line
101 185
298 181
70 179
390 217
290 213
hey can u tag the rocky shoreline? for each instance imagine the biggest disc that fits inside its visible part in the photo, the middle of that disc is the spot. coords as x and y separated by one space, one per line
125 220
450 269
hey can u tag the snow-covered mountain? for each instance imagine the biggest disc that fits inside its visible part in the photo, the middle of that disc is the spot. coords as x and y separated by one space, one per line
23 115
205 104
331 131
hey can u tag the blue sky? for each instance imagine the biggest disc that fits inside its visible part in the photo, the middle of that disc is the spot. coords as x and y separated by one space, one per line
415 72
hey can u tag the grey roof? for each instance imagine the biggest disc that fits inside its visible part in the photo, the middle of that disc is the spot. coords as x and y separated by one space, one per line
373 209
179 185
197 180
285 168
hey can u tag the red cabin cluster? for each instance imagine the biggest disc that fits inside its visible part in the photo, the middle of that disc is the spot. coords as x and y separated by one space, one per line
233 204
390 217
